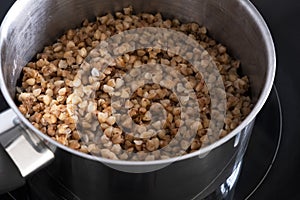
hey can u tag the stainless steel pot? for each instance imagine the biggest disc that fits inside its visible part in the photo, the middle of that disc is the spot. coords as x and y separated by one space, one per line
31 24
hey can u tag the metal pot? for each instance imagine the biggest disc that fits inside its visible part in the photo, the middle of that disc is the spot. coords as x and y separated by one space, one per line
30 25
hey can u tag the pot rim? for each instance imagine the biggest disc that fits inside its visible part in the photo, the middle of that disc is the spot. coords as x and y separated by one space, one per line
270 76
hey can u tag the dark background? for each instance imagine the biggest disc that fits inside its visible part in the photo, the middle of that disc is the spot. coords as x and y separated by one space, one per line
283 18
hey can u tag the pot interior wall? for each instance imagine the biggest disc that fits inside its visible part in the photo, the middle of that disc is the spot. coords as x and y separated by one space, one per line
34 24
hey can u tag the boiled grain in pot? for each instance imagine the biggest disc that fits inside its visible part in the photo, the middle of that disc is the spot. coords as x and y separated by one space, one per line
54 85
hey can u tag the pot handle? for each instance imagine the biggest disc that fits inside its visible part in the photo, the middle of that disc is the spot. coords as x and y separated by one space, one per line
21 152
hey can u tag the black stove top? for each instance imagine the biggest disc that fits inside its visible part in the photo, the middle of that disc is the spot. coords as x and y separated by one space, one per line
271 162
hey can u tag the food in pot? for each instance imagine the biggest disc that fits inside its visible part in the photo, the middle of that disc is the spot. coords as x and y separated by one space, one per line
51 88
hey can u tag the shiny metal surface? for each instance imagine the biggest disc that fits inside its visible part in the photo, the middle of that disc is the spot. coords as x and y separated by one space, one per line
26 157
26 150
32 24
7 119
